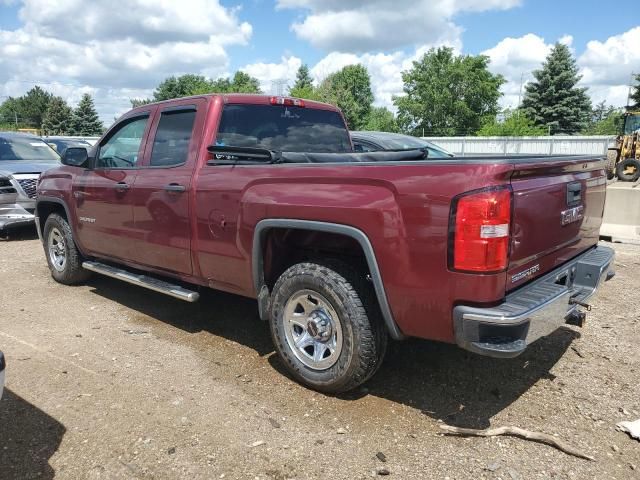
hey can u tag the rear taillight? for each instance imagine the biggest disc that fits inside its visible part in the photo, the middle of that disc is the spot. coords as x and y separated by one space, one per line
287 101
480 224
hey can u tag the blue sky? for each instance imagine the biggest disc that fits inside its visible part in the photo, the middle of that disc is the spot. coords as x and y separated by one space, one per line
550 19
121 49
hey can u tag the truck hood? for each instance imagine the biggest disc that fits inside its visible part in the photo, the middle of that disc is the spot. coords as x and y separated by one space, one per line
11 167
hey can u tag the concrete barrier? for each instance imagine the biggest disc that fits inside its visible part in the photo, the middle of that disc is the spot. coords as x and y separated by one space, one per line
621 222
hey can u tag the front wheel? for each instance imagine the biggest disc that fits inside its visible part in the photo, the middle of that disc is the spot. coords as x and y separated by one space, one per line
326 326
63 257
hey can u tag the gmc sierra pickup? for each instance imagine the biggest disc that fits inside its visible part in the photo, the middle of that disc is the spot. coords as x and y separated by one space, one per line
264 197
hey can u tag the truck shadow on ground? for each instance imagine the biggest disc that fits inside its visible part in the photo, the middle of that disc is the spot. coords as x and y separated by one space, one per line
28 439
443 381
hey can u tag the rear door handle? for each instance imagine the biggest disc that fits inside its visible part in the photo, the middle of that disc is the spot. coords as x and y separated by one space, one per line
174 187
121 186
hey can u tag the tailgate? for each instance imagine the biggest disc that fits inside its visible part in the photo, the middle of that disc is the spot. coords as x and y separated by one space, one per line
557 212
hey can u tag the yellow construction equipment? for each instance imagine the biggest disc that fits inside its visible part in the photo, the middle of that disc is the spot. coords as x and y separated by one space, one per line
624 158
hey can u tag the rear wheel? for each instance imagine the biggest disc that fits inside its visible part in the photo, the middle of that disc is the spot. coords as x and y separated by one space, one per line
326 326
63 257
628 170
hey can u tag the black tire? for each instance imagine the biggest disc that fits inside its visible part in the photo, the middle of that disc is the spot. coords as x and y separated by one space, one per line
70 272
364 337
612 157
628 164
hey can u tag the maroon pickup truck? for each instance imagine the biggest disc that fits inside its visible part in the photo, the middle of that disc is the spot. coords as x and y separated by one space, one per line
264 197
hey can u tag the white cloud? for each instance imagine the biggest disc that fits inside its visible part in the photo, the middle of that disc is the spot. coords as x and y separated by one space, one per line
566 40
612 61
385 71
605 66
270 73
118 49
515 59
361 26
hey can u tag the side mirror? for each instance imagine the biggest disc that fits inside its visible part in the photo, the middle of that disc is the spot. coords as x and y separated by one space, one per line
75 157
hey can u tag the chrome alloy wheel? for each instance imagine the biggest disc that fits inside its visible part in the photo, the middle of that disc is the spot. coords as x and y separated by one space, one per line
312 329
57 249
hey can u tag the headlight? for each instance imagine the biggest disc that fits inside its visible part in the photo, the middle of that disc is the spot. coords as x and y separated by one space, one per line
6 187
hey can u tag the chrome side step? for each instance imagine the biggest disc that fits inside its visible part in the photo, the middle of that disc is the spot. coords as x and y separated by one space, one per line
151 283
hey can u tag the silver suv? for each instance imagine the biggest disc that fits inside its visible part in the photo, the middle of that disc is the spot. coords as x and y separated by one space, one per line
22 159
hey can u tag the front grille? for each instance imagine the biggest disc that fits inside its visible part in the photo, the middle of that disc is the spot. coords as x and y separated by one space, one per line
29 186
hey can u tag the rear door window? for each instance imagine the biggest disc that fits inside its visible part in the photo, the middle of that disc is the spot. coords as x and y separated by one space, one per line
173 136
285 129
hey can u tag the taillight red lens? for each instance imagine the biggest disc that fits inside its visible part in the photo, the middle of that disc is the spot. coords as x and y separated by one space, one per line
481 234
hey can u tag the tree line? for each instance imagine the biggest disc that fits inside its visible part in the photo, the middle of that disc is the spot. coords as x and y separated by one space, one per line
50 114
444 94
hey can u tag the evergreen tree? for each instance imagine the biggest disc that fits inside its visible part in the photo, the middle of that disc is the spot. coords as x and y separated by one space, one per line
553 100
85 118
32 106
303 78
58 118
635 95
447 94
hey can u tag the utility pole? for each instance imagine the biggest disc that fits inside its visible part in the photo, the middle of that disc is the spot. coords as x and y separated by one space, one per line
633 75
16 117
520 92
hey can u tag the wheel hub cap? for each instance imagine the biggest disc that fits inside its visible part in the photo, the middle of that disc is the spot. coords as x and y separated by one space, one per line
312 329
57 249
319 326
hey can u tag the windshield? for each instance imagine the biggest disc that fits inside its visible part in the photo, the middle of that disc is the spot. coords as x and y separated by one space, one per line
25 148
402 142
285 129
631 123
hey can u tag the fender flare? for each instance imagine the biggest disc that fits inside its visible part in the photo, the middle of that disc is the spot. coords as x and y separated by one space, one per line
257 263
58 201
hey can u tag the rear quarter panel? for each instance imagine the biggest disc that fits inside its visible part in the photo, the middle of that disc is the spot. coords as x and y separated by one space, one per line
402 208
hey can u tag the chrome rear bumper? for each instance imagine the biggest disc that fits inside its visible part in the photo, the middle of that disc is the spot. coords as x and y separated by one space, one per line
535 310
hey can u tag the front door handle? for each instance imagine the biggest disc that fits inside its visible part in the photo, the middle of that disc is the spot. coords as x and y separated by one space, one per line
175 188
121 186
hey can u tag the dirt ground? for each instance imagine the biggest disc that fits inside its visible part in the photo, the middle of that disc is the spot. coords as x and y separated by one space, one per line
112 381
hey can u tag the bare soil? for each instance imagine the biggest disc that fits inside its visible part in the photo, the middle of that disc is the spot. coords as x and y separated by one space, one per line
107 380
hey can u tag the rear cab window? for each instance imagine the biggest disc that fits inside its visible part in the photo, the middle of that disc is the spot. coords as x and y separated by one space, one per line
283 128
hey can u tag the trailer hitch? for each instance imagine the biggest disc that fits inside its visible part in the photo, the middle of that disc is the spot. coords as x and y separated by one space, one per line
573 301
